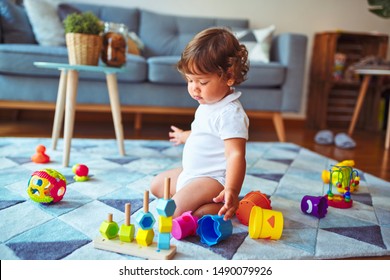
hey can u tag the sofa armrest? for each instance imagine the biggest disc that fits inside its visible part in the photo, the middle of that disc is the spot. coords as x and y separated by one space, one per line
289 49
1 32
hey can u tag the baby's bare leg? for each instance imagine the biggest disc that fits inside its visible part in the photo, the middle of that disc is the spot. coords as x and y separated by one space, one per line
197 196
157 185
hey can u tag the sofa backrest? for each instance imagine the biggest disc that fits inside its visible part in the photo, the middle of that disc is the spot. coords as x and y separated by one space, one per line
161 34
165 34
127 16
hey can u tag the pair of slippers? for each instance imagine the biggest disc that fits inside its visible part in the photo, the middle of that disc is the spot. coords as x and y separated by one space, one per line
341 140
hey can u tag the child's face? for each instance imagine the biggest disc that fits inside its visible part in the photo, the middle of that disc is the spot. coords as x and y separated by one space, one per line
207 88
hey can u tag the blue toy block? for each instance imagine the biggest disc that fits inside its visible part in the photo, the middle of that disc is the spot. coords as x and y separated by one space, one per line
164 241
166 207
145 220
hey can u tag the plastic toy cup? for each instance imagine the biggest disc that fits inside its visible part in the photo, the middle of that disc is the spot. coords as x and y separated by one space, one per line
212 229
265 223
251 199
184 225
314 205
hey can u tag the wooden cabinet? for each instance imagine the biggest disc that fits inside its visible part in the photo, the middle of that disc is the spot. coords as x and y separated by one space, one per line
332 97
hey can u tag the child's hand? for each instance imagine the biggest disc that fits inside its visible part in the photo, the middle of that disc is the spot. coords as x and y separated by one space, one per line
231 203
178 136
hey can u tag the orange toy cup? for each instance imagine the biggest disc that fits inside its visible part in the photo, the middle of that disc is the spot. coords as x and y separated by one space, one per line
265 223
251 199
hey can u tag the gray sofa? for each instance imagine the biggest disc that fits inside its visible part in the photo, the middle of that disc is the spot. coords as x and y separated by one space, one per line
151 83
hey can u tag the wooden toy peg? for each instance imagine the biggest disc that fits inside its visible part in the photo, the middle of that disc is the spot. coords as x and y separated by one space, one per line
167 191
146 201
127 214
109 217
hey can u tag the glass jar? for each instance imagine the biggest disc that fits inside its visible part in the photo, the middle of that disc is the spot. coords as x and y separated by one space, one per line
114 44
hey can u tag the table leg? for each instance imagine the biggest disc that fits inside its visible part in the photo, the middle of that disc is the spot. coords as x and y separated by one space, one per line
112 85
71 94
359 103
279 126
59 112
387 142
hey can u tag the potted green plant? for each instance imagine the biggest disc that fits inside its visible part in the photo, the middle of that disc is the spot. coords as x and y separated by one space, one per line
83 38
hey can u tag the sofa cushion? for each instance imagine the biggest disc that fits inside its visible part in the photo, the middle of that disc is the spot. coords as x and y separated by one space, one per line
162 69
265 74
14 24
19 59
169 34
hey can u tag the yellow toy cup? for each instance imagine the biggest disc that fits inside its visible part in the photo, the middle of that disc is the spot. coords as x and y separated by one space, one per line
265 223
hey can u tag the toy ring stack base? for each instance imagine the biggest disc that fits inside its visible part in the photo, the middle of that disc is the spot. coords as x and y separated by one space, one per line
338 201
265 223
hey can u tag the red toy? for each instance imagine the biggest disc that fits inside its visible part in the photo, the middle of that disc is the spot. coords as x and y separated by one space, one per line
46 186
81 172
40 156
253 198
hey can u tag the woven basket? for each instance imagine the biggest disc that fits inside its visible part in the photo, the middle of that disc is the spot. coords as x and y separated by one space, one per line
83 49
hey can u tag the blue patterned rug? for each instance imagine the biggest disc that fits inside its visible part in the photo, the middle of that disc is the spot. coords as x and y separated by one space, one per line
284 171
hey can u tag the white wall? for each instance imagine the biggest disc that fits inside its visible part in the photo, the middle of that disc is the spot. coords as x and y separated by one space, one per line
300 16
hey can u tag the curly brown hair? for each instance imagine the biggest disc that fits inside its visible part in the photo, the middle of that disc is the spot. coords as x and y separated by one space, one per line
215 50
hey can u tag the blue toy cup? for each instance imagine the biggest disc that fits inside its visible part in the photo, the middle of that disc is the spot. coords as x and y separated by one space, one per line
212 229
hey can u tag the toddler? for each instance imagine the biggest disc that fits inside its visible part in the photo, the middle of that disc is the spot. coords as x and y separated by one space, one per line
213 161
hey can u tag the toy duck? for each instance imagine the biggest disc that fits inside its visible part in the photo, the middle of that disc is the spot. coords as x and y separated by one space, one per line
40 156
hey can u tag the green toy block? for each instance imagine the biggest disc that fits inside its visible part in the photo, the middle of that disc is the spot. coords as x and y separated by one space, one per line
166 207
109 229
145 237
164 224
145 220
126 233
164 241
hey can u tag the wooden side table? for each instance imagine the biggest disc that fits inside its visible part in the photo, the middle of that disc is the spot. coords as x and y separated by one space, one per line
66 102
368 73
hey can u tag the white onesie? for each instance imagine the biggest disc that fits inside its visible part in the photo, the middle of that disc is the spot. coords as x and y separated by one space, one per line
204 152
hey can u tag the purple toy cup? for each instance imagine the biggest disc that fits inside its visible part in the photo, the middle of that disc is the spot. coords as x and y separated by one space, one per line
184 225
314 205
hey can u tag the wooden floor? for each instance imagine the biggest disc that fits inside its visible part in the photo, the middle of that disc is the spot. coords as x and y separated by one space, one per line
369 155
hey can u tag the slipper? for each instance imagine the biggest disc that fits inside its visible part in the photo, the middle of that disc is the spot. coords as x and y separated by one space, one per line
343 141
324 137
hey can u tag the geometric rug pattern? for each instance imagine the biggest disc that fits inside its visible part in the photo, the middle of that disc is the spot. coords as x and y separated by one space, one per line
283 171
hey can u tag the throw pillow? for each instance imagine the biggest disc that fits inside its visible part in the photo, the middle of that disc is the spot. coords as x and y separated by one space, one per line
134 44
65 9
14 24
257 41
47 27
